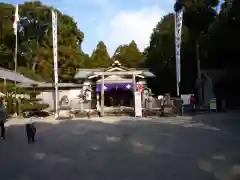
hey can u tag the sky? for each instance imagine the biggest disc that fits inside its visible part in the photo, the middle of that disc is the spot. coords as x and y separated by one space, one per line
114 22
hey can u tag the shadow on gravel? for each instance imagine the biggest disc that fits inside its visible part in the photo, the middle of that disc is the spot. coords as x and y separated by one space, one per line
229 122
126 150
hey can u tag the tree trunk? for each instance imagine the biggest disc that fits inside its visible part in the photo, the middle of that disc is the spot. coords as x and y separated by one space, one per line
199 73
1 34
34 65
36 57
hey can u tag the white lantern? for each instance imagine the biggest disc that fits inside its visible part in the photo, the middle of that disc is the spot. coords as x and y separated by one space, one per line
145 94
88 95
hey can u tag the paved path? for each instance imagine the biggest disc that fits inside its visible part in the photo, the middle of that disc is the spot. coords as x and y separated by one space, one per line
182 148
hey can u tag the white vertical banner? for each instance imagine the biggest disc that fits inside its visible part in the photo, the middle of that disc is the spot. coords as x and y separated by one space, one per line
138 104
178 32
55 50
16 20
55 58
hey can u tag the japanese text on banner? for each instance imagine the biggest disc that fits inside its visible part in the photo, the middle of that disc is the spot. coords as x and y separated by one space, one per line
55 55
178 28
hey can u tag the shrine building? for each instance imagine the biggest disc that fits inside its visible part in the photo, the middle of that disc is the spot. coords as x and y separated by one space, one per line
117 82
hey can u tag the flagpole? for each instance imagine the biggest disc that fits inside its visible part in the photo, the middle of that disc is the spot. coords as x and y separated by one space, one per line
56 76
15 66
15 26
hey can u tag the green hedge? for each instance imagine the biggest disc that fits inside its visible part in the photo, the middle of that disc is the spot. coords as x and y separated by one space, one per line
33 106
10 106
26 104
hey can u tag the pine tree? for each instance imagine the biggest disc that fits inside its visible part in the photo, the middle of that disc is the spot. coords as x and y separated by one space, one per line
100 57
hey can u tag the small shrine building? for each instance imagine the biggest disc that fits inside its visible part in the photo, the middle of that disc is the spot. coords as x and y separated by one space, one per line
115 85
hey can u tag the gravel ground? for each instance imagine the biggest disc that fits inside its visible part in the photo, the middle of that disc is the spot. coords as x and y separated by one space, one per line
202 147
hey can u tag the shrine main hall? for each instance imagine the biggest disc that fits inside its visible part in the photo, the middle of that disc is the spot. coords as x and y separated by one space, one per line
116 84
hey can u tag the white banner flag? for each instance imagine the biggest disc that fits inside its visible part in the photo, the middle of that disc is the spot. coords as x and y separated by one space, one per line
138 104
16 20
55 59
55 50
178 32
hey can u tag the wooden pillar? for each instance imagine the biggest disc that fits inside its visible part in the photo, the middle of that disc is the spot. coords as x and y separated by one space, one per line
134 90
4 92
134 82
102 96
98 102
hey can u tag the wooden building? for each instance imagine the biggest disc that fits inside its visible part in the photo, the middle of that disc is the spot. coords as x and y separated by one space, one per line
118 82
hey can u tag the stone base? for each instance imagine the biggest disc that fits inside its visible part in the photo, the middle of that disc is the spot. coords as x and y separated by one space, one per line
63 114
14 115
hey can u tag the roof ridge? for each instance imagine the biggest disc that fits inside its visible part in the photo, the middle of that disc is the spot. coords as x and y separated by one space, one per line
89 68
12 73
9 70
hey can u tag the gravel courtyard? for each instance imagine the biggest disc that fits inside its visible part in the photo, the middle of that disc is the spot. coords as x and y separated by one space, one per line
204 147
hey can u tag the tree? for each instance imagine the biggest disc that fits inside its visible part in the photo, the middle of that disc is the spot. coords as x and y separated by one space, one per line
160 56
198 15
129 55
100 57
35 41
223 49
6 36
32 102
87 61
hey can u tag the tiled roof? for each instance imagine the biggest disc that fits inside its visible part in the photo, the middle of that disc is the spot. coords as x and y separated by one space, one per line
148 74
84 73
12 76
49 85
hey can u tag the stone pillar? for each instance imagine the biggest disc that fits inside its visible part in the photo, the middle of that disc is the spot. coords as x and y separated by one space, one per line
81 105
134 83
150 102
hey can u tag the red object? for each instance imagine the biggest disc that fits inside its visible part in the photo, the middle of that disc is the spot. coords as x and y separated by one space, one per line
139 87
192 100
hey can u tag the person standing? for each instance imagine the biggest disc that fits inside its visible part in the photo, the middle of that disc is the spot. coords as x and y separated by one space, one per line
193 102
3 118
30 131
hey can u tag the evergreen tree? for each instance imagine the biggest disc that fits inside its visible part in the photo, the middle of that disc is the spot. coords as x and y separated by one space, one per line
129 55
100 57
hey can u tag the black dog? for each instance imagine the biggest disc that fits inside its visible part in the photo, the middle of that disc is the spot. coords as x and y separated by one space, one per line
31 131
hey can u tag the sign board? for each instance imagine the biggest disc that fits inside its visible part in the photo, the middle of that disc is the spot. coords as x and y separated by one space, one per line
186 99
138 104
213 104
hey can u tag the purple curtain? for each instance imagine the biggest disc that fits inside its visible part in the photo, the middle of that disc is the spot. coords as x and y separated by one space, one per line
114 85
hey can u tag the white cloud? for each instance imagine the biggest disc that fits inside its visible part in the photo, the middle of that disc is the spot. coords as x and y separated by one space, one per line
126 26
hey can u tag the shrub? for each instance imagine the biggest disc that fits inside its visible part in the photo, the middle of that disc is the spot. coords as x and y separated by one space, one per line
33 103
34 106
